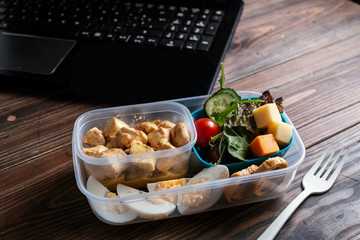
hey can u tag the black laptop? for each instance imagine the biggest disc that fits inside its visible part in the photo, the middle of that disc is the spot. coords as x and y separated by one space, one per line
119 51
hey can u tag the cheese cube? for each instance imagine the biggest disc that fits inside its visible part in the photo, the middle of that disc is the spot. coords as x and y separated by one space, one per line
264 145
282 133
266 114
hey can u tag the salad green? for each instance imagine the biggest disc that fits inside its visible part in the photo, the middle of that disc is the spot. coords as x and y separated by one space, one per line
233 115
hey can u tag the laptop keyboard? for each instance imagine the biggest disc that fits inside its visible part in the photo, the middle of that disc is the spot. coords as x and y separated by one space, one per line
181 27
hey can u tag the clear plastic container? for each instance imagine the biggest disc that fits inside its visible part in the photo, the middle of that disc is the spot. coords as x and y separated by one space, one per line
134 206
135 170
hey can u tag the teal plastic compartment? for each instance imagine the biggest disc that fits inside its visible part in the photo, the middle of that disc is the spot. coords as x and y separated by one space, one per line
234 167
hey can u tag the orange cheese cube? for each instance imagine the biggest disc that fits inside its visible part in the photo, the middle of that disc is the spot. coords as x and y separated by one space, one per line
264 145
266 114
282 133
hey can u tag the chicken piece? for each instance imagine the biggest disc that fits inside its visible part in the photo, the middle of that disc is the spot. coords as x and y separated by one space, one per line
160 139
94 137
126 135
139 147
112 143
265 186
166 124
106 171
246 171
173 164
272 164
94 151
113 152
239 190
147 127
113 126
156 122
179 135
115 169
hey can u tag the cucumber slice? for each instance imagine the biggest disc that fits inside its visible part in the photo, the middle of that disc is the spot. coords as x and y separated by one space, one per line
218 102
232 92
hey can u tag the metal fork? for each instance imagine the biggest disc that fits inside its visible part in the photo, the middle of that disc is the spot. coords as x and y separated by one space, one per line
315 181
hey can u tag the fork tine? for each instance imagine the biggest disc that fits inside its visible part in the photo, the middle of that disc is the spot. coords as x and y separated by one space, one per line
318 162
326 174
320 172
338 168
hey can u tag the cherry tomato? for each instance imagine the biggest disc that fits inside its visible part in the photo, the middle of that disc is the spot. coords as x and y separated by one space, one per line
205 129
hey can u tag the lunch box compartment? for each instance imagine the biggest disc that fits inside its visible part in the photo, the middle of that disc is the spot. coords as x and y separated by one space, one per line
229 192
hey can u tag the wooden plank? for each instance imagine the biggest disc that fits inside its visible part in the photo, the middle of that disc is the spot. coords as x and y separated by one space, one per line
302 67
302 28
41 125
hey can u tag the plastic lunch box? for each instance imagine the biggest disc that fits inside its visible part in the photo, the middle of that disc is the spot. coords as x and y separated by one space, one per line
151 205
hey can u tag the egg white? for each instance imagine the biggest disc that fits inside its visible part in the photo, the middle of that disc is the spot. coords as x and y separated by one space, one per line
145 208
96 188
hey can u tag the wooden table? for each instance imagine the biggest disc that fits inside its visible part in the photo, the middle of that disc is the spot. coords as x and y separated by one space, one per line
308 52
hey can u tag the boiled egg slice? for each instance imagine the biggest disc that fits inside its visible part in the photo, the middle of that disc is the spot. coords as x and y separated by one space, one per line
149 209
201 198
114 213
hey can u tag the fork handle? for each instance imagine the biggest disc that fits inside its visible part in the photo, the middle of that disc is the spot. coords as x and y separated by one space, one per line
275 227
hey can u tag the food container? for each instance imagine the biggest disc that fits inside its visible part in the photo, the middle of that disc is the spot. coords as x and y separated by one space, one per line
236 166
133 206
138 169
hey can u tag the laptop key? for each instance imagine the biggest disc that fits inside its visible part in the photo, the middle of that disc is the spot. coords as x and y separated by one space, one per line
169 35
97 35
211 28
109 37
181 36
171 43
152 40
84 34
190 45
205 43
123 37
154 33
194 37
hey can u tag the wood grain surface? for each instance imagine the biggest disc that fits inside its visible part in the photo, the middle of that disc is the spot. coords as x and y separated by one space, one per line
308 52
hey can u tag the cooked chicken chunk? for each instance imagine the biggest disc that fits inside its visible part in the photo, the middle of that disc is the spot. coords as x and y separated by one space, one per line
147 127
113 126
157 122
112 142
179 135
94 137
114 152
245 171
166 124
239 190
138 147
267 185
126 135
160 139
174 164
272 164
94 151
